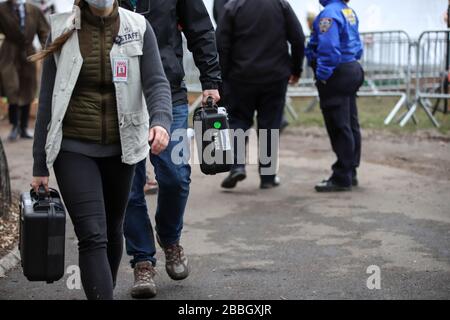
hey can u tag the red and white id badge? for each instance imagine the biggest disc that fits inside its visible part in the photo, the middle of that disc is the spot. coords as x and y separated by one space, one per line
120 69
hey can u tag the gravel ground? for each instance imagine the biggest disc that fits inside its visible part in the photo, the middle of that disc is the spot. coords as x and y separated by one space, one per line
9 233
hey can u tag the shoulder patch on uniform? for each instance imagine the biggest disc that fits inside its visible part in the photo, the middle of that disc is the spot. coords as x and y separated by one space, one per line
350 15
325 24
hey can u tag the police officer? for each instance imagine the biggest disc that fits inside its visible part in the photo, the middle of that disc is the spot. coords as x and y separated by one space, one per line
253 38
333 52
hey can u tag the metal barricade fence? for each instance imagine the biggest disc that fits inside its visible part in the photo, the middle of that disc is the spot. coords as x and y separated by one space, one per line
414 72
431 75
387 67
386 61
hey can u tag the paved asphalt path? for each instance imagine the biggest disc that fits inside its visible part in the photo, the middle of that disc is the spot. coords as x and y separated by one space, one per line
292 243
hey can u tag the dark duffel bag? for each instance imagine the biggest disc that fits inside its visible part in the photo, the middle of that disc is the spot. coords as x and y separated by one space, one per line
212 134
42 235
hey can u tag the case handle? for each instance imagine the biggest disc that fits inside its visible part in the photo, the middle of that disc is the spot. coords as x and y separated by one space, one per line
210 102
42 193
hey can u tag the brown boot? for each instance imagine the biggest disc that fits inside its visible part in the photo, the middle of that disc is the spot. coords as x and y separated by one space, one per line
144 286
177 265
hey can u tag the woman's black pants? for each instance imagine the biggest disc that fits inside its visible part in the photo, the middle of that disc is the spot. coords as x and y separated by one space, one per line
95 192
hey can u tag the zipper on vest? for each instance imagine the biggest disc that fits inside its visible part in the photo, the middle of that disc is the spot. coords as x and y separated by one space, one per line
102 70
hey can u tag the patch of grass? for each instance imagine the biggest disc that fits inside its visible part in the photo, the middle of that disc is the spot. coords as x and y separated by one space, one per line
372 112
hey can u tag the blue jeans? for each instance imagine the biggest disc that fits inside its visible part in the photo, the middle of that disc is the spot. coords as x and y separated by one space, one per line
173 180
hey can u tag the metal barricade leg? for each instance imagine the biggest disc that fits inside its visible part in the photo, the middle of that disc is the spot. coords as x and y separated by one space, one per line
413 117
290 109
408 115
315 101
396 109
429 114
413 109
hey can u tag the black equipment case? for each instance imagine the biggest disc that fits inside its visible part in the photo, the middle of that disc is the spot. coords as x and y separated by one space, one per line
42 235
212 133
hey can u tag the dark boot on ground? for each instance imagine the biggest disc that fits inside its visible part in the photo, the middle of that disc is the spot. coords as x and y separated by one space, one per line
233 178
331 186
14 134
25 134
284 125
24 118
270 184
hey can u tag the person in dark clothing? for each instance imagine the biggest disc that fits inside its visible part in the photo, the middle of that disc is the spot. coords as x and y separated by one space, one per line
333 52
20 22
169 19
218 8
253 38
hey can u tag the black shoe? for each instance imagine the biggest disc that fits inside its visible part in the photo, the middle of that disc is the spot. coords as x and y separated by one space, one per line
24 134
355 182
233 178
284 125
330 186
270 184
14 134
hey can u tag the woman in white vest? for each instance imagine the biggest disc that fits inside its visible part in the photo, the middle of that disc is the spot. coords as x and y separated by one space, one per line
104 101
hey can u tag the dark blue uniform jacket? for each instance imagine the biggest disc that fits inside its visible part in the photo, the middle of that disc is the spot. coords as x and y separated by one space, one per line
335 38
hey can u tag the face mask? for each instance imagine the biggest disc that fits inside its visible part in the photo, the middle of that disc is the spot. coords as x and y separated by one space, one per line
101 4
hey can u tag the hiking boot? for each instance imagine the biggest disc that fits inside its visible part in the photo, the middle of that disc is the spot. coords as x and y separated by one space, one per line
177 266
144 286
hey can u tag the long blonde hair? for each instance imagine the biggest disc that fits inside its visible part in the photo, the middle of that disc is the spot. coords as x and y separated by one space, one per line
56 45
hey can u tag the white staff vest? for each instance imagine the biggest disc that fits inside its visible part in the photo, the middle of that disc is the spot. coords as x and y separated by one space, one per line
131 107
